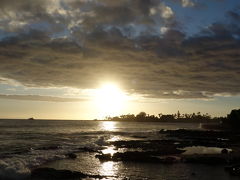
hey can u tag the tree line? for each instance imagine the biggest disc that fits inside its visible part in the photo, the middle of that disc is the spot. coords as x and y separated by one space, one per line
177 117
231 121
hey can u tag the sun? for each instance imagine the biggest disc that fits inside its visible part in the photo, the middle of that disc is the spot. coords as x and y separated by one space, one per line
110 100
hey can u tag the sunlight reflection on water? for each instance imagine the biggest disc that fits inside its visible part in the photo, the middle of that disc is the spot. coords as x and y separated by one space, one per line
109 168
114 138
109 125
109 150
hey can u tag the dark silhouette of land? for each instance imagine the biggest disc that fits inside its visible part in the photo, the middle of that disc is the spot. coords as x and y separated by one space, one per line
178 117
231 121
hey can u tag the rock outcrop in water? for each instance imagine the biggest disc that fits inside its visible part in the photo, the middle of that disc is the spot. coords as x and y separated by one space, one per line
233 170
54 174
170 149
139 157
71 155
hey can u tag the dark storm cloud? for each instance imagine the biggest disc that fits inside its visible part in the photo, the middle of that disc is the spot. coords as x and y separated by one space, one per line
40 98
234 15
87 14
120 41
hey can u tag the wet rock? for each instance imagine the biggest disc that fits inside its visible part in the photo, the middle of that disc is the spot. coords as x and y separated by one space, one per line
170 159
136 156
86 149
162 151
221 139
234 158
233 170
162 130
200 134
193 174
224 151
53 147
53 174
162 147
104 157
205 159
139 137
71 156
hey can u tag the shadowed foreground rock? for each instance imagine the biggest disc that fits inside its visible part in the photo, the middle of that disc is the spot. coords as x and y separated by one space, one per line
206 159
71 156
233 170
54 174
50 173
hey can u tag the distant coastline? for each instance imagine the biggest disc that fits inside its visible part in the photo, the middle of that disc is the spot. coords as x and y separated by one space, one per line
231 121
169 118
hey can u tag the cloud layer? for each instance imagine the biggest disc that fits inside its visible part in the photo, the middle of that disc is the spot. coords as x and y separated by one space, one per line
40 98
139 44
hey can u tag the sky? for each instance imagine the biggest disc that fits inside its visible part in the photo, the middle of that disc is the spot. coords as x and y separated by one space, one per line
86 59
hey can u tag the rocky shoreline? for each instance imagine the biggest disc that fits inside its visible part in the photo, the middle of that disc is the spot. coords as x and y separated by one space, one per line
170 149
54 174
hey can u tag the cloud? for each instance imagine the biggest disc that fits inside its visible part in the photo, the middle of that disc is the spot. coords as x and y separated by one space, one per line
60 14
234 15
165 11
155 66
187 3
15 14
134 43
163 30
40 98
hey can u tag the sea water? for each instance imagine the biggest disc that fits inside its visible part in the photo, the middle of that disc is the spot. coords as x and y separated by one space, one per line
27 144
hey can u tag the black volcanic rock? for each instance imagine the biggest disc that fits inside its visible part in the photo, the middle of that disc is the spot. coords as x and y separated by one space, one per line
71 156
86 149
233 170
206 159
104 157
163 147
53 147
53 174
135 156
224 151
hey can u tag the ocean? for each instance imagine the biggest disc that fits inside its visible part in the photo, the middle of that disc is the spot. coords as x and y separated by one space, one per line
28 144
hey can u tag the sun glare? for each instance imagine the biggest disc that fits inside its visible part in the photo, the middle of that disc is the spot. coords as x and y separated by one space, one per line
110 100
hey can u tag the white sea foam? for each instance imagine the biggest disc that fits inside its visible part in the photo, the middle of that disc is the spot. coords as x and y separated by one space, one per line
13 168
19 166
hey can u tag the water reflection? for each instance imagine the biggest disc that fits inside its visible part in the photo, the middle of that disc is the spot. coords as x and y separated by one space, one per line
114 138
109 150
109 125
109 168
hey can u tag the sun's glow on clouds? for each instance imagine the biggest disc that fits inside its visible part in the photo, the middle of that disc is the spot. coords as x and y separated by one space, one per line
143 43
